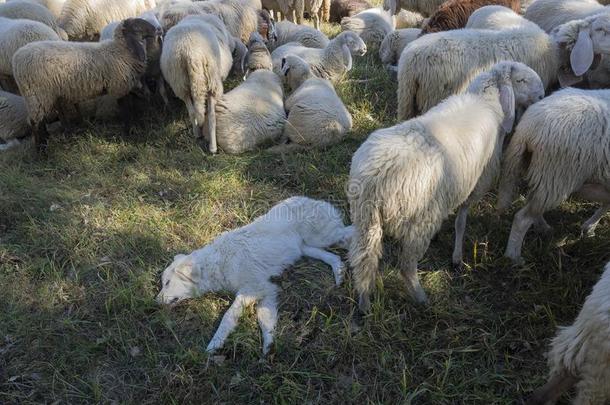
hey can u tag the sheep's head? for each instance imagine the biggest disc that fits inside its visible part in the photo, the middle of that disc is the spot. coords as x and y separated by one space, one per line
256 46
180 280
136 33
519 87
266 26
353 43
392 5
585 41
295 71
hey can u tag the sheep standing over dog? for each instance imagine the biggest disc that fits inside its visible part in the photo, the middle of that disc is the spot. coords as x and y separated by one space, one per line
405 180
580 353
371 25
243 261
329 63
52 75
85 19
566 140
316 115
454 14
197 57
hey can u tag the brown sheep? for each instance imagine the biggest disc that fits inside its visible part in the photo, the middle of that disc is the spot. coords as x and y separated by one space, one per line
454 14
346 8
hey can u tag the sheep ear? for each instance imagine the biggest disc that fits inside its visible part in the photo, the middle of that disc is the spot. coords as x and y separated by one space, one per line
507 101
347 57
581 57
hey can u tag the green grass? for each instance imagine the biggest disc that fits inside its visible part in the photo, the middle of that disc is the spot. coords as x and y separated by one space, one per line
86 232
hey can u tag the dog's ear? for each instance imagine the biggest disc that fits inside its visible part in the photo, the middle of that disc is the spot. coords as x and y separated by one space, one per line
189 271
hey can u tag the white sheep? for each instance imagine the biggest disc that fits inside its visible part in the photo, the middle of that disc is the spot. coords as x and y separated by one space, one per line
549 14
54 6
243 261
495 18
251 114
405 180
425 7
566 140
393 44
580 353
54 75
287 31
371 25
85 19
440 64
31 11
13 119
258 56
197 56
316 114
13 35
408 19
329 63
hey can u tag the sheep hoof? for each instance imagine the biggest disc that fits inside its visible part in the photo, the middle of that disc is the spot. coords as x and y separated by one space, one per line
364 303
458 266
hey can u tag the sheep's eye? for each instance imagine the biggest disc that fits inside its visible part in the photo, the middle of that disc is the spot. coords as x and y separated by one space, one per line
521 81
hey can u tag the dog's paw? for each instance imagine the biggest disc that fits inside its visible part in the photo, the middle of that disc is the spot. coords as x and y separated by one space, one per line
338 272
213 346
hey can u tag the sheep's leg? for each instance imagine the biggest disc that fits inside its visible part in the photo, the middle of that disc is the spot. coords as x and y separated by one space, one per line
316 20
331 259
588 228
266 312
211 124
190 107
524 218
126 106
162 90
550 392
409 274
41 136
460 228
229 321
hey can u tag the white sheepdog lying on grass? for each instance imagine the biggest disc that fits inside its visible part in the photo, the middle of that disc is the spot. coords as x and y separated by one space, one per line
244 260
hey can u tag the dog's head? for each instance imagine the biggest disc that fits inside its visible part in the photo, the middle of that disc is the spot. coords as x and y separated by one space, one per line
180 280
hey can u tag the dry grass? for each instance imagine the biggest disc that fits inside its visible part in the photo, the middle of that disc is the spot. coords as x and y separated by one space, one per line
85 234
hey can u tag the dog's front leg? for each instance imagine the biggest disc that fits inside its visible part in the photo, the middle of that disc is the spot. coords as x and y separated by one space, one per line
266 312
331 259
229 321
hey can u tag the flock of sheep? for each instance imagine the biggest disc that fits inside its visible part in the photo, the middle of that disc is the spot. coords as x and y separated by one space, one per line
468 74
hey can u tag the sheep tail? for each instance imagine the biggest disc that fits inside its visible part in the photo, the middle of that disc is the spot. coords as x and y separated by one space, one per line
513 162
407 91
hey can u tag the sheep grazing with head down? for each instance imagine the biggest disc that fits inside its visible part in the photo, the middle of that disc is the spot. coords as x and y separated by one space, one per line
13 120
580 353
32 11
53 75
85 19
258 56
198 54
392 45
316 115
244 260
454 14
371 25
13 35
405 180
329 63
286 31
566 140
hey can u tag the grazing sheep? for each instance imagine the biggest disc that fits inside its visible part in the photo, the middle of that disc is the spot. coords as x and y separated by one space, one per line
13 35
453 14
244 260
53 75
197 56
580 353
258 56
329 63
405 180
286 31
425 7
346 8
371 25
549 14
85 19
316 115
566 140
31 11
54 6
241 17
251 114
13 119
408 19
393 44
495 18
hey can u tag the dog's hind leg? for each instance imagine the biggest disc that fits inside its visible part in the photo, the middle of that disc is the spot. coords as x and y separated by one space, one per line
266 312
331 259
229 321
